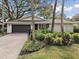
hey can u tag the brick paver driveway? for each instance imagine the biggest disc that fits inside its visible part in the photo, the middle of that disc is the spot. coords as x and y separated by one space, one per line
11 45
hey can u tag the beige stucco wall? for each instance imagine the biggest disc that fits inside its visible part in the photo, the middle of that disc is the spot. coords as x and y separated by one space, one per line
57 28
68 28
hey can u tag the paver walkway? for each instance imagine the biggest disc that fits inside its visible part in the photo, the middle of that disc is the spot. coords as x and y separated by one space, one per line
11 45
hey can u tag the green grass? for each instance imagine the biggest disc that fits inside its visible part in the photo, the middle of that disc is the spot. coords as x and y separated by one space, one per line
55 52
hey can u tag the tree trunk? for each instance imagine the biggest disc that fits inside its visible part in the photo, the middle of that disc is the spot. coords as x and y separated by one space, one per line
53 18
3 16
33 24
62 17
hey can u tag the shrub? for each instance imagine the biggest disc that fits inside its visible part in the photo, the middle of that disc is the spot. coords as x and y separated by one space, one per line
39 35
67 35
67 38
44 31
56 34
34 46
76 37
58 41
76 28
49 38
31 46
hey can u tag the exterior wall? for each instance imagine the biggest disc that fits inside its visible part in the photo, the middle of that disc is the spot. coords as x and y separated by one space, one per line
57 28
68 28
9 28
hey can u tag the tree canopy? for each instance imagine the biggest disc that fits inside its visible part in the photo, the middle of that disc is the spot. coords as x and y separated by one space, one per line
15 9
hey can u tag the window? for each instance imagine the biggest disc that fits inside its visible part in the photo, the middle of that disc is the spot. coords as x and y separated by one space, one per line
43 26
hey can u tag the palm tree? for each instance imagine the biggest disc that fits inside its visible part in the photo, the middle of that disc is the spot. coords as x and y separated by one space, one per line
53 18
62 17
33 25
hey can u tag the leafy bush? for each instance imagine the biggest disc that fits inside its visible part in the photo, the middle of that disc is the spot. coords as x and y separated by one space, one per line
35 46
40 35
76 37
31 46
56 34
58 41
76 28
67 35
42 31
67 38
54 38
49 38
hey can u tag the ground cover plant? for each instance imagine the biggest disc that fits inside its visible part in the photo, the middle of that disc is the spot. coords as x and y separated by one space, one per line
45 38
54 52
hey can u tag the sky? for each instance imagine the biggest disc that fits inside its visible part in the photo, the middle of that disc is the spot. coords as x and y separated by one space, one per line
71 7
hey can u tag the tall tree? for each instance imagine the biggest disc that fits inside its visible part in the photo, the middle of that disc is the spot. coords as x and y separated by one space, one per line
16 8
6 2
62 17
45 13
53 18
3 16
33 24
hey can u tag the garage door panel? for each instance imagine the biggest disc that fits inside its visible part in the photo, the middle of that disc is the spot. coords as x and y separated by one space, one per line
20 28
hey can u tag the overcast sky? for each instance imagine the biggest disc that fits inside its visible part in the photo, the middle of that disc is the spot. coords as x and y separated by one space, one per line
71 7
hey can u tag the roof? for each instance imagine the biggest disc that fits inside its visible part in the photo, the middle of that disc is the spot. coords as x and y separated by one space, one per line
75 22
58 21
38 20
29 18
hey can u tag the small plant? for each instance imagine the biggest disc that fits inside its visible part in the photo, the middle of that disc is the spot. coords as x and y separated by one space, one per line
44 31
34 46
58 41
67 35
76 37
76 28
49 38
39 35
31 46
56 34
67 38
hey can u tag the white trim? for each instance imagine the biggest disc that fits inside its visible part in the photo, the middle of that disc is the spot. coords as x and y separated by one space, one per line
9 28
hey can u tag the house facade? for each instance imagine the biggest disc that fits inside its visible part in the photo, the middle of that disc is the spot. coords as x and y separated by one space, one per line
24 25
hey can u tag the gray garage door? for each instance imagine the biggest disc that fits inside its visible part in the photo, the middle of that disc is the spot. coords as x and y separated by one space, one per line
21 28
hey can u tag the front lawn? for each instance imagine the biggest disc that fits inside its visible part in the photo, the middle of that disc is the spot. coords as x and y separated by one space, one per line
48 45
55 52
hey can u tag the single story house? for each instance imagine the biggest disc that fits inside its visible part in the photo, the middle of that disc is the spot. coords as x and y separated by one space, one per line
24 25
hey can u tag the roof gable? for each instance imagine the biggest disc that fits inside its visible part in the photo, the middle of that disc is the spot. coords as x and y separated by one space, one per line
25 18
